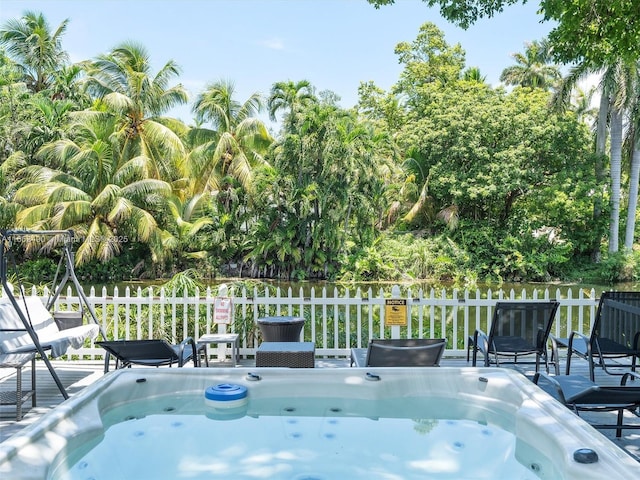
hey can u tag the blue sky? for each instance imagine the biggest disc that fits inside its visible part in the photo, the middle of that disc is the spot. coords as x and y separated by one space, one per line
335 44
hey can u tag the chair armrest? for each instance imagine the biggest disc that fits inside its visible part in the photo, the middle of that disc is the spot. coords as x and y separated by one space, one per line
555 355
194 351
581 336
481 342
629 375
483 345
556 388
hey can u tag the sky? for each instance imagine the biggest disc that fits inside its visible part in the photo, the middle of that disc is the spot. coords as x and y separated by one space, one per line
334 44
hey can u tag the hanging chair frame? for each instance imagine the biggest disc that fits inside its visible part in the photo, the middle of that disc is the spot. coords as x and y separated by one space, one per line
6 237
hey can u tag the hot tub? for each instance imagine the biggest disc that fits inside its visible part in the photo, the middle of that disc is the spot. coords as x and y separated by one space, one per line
376 423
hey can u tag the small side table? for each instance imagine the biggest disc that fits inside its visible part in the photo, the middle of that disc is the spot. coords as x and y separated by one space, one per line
232 339
19 396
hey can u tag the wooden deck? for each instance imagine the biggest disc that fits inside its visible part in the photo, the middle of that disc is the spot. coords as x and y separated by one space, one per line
76 375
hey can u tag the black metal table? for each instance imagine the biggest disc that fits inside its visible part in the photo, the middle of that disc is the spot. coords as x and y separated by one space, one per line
281 328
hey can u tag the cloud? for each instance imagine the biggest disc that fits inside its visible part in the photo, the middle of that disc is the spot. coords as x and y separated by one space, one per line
273 43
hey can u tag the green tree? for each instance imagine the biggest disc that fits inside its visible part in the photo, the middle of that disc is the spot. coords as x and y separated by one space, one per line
483 151
532 68
188 218
104 197
123 83
595 31
381 107
618 101
15 109
473 74
320 196
36 50
288 96
428 59
234 145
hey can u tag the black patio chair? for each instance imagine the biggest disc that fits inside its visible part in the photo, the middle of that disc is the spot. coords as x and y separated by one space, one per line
517 329
583 395
399 352
615 334
149 353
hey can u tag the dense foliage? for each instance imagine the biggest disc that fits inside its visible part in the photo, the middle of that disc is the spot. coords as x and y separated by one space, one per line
596 31
441 177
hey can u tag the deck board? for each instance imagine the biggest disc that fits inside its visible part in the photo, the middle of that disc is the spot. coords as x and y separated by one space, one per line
76 375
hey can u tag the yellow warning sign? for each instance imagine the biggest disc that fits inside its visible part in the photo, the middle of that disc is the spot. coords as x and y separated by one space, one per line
395 312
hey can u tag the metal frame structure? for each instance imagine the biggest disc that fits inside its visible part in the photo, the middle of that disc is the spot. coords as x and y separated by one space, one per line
69 275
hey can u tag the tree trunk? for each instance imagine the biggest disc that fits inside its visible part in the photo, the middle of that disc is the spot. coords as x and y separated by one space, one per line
616 160
634 180
601 141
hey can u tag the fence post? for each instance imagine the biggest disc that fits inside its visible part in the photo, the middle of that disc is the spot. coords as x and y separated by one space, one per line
395 329
223 291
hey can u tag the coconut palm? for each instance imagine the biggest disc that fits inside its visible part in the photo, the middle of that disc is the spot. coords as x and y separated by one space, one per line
189 217
532 68
123 82
287 96
36 50
233 145
105 198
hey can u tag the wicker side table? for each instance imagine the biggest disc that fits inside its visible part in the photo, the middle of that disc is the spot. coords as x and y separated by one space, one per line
286 354
281 328
19 396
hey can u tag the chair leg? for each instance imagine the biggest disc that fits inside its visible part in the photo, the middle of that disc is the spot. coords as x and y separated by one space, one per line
107 358
620 419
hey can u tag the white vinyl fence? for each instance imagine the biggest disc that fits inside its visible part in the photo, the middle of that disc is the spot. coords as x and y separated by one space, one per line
335 322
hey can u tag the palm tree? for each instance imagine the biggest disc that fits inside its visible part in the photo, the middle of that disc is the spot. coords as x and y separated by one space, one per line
288 96
633 142
189 217
533 69
235 143
123 82
67 86
36 50
581 105
617 96
472 74
625 76
105 198
634 181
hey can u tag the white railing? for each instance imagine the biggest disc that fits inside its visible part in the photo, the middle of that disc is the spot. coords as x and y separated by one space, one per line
334 322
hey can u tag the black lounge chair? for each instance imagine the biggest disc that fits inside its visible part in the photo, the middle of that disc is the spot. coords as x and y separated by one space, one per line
150 353
581 394
517 329
615 334
396 352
